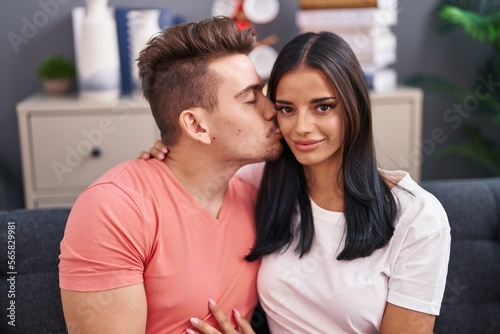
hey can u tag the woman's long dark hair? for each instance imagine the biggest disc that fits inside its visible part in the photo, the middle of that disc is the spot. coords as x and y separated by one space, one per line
369 206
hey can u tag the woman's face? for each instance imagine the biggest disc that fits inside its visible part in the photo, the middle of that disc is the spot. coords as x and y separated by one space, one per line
310 117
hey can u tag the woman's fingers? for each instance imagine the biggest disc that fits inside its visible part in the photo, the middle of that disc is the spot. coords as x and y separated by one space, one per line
224 323
144 155
221 318
155 153
160 146
159 150
243 324
202 327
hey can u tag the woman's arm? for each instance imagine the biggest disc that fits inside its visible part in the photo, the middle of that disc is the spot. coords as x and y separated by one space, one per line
398 320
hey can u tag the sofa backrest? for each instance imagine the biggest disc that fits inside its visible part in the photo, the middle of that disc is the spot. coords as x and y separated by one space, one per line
29 283
471 302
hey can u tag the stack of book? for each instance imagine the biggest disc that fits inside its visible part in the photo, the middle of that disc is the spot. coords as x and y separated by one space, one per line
366 26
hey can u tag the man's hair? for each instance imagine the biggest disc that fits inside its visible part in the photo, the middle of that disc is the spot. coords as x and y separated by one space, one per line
174 68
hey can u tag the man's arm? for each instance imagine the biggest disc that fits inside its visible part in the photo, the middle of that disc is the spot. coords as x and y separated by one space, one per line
121 310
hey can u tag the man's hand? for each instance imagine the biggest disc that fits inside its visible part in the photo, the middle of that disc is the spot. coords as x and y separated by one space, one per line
243 325
158 151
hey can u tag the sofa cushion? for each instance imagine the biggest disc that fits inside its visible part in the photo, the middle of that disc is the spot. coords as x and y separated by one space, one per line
36 282
471 302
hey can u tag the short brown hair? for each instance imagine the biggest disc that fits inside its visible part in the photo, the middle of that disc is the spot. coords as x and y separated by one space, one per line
174 68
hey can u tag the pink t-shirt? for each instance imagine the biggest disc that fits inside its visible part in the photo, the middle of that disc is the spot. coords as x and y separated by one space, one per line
137 223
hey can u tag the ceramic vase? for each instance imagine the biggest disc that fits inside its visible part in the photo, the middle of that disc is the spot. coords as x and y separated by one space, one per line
147 27
99 62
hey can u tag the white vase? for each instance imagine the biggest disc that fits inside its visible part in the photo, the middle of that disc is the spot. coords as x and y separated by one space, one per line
148 25
99 61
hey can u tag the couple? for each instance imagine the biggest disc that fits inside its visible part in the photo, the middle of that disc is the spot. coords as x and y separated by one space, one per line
333 244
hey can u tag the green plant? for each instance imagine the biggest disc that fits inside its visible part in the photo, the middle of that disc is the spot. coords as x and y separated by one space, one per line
480 20
56 67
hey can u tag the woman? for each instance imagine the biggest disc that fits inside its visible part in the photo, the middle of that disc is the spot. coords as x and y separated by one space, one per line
345 247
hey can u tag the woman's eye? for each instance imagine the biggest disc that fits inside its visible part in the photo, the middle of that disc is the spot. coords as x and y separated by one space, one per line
284 110
325 107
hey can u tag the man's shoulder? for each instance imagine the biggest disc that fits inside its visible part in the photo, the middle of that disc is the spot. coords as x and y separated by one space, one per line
125 189
122 173
129 180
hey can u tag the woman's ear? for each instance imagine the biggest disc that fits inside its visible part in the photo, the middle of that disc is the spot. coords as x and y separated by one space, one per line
192 122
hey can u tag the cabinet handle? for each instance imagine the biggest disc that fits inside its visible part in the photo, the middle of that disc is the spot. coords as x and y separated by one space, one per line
96 152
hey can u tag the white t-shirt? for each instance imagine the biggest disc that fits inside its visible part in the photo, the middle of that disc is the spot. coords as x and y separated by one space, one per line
319 294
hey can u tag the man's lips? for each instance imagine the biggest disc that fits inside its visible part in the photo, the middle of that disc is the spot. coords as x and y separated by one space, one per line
275 132
306 145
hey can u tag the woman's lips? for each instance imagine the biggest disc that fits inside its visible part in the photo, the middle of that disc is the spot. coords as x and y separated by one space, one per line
306 146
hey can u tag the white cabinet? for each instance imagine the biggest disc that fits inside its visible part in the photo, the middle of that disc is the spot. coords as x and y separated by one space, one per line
67 143
397 129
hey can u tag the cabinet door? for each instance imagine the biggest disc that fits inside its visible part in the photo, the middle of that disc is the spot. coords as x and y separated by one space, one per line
55 201
397 133
73 150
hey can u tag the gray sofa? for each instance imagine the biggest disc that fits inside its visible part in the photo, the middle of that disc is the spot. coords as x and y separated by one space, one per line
471 303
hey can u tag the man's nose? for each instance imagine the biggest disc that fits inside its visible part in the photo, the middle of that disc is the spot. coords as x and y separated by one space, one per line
269 110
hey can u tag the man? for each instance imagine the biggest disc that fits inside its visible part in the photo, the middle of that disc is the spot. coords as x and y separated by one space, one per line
149 243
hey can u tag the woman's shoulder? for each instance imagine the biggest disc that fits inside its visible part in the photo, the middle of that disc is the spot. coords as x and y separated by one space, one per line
417 206
251 174
402 183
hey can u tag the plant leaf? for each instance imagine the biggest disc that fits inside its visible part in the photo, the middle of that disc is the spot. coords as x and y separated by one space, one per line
479 149
484 28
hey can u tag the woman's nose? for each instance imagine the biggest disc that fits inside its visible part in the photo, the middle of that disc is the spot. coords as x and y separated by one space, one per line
304 123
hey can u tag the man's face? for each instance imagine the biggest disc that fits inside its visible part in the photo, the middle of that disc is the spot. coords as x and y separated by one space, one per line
243 125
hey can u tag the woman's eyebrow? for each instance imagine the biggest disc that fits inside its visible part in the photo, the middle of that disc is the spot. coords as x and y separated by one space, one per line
320 99
283 102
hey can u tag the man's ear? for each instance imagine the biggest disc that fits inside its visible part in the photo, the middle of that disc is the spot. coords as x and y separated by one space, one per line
192 121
